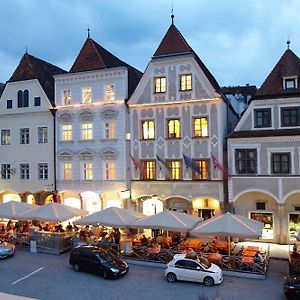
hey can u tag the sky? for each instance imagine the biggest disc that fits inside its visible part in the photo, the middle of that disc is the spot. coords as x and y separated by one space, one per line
239 41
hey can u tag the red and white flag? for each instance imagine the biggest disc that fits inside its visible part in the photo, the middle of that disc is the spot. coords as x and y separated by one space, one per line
219 166
135 162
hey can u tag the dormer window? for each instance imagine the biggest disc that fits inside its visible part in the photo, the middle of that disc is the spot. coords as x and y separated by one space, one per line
290 83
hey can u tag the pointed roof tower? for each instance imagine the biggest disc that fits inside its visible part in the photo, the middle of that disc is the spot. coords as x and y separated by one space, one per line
174 44
288 67
31 67
92 57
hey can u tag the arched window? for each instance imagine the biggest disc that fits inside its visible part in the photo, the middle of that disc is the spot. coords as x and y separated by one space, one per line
26 98
20 98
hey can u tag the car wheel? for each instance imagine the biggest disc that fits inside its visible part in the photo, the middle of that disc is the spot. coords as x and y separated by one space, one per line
105 275
171 277
76 267
208 281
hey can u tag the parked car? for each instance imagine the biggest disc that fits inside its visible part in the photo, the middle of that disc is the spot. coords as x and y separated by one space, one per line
291 287
7 249
99 261
193 269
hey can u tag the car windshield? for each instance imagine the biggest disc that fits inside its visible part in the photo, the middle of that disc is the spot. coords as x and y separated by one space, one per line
204 262
108 257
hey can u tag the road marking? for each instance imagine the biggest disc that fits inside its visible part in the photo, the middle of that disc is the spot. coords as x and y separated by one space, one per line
28 275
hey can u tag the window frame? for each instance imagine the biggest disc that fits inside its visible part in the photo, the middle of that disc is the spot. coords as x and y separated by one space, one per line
67 170
86 91
24 136
147 123
110 170
149 172
9 104
37 101
110 130
66 132
201 129
43 171
43 135
5 137
287 81
87 171
174 171
184 83
158 86
24 172
109 92
204 170
6 171
169 136
263 117
290 109
66 97
87 133
246 161
281 155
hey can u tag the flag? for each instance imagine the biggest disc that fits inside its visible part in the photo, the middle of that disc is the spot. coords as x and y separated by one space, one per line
135 162
218 165
190 163
168 171
161 160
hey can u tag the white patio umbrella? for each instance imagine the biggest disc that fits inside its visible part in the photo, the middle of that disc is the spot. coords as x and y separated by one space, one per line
167 220
14 209
54 212
111 216
229 225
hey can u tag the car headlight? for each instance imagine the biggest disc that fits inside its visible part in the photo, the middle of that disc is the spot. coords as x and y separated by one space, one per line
114 270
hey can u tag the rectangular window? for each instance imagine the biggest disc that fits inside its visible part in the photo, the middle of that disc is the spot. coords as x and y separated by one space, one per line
87 171
43 171
109 92
66 97
185 82
290 83
110 170
149 169
200 127
67 171
24 171
175 169
5 171
87 131
8 104
148 130
200 171
5 137
281 163
290 116
86 95
174 129
246 161
160 84
110 130
262 117
43 135
24 136
37 101
260 206
66 132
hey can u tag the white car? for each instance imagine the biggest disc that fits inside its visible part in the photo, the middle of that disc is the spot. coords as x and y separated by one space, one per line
193 269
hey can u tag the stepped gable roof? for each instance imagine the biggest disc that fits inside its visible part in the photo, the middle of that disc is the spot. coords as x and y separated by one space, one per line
92 57
2 85
273 87
174 43
31 67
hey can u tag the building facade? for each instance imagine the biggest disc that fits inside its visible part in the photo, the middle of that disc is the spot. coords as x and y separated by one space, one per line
27 129
264 154
92 122
178 123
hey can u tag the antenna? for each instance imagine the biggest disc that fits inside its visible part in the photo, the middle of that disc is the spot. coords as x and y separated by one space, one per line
288 42
172 15
88 30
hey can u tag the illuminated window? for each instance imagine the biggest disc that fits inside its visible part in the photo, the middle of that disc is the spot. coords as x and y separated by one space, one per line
173 129
200 171
24 136
67 171
43 135
200 127
110 130
147 130
5 137
185 82
67 97
86 95
87 131
66 132
175 169
87 171
148 169
109 92
110 170
160 84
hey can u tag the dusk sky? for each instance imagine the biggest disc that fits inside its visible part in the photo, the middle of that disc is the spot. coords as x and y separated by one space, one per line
239 41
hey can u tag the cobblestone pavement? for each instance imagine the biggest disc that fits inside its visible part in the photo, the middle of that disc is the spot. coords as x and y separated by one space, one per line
50 277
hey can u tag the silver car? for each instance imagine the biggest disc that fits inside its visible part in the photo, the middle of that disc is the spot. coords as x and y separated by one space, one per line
6 249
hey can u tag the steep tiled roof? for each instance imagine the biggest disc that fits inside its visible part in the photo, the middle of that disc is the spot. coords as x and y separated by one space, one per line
174 43
92 56
31 67
2 85
247 90
263 133
287 66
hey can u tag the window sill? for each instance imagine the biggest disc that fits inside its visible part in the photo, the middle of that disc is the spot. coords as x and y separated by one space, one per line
108 140
66 142
87 141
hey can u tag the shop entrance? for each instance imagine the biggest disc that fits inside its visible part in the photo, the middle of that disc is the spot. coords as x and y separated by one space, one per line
268 220
294 226
206 213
